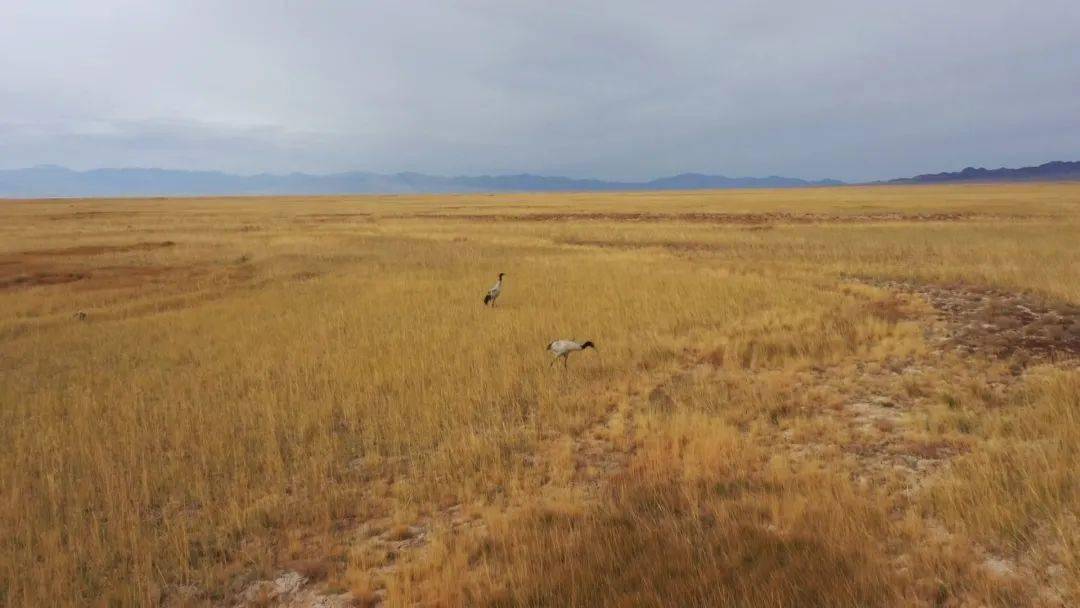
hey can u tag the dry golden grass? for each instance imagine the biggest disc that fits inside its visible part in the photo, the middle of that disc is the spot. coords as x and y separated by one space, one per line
312 385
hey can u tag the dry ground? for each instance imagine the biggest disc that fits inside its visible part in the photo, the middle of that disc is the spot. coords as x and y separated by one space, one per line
827 397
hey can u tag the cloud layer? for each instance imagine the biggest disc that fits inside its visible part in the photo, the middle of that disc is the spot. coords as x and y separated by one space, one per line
624 90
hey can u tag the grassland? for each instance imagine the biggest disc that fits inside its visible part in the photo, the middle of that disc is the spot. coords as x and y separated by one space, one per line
827 397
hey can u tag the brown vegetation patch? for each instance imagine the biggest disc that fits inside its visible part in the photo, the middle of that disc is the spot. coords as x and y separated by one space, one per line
892 309
35 273
930 449
752 219
131 276
322 218
333 216
100 249
57 266
1000 323
306 275
716 357
35 279
82 215
312 569
683 246
660 399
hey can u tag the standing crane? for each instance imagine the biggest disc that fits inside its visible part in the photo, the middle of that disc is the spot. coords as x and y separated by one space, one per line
494 292
563 348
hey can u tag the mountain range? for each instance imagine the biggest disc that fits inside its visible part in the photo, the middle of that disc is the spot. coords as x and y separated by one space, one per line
54 181
1052 171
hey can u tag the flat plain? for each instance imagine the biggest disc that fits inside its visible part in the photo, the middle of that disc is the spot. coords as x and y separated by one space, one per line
821 397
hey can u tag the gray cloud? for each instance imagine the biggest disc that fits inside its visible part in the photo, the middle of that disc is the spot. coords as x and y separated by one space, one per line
627 90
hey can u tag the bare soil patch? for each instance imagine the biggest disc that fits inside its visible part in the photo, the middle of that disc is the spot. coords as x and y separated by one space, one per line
291 589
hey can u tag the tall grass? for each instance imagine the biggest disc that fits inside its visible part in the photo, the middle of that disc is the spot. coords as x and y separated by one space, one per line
287 367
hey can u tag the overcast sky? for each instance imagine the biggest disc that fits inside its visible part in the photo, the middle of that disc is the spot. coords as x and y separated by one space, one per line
845 89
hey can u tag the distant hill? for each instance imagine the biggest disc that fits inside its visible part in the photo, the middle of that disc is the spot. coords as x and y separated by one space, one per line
1052 171
54 181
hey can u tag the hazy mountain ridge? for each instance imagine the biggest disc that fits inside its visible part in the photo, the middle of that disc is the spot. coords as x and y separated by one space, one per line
55 181
1051 171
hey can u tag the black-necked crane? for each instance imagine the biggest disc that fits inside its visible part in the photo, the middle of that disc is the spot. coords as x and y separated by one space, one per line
494 292
563 348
